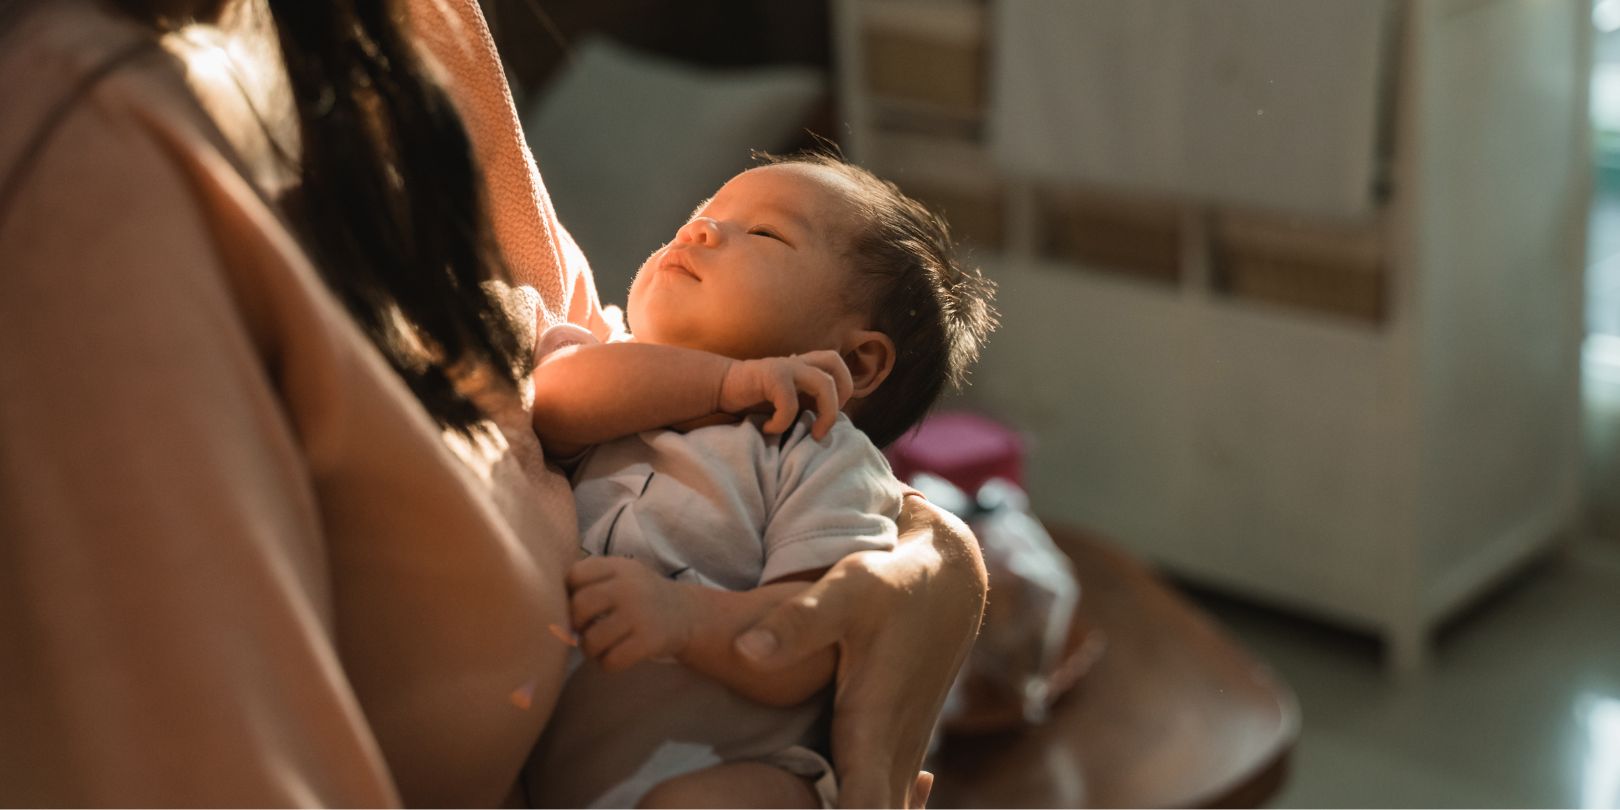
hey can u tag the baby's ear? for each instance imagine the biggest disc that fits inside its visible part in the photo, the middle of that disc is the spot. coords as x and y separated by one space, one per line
870 357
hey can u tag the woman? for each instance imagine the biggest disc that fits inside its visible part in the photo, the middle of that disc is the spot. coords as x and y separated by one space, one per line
276 529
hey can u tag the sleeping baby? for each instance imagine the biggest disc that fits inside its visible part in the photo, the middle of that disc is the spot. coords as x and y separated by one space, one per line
807 314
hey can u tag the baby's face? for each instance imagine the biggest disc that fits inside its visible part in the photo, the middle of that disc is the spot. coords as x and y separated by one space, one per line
758 271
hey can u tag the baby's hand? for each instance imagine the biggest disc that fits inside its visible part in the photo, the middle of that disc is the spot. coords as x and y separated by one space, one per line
821 377
625 613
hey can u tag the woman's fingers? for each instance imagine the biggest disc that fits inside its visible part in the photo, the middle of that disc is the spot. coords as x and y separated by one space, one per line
920 791
810 622
903 622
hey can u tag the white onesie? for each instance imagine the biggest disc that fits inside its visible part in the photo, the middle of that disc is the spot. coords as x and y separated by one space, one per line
728 507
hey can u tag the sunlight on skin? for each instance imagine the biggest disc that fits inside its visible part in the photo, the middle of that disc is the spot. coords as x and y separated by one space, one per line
523 696
228 67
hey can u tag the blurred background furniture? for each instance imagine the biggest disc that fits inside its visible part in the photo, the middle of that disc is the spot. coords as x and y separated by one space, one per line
1369 416
1366 411
639 109
1173 714
1093 683
1320 413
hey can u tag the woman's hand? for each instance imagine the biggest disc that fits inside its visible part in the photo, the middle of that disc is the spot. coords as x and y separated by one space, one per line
903 622
819 378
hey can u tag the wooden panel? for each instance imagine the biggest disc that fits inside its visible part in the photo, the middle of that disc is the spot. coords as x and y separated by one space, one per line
952 176
932 53
901 66
975 215
1130 235
534 36
1330 268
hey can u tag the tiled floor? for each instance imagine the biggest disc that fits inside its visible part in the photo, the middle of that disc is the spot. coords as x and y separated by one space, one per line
1520 708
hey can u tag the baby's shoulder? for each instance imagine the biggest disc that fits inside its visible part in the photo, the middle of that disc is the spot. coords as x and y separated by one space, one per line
844 444
561 336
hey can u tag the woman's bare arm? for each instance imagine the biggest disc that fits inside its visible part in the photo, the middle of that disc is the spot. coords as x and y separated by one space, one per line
903 622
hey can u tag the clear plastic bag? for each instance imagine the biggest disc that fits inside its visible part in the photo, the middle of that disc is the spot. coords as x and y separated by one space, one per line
1026 651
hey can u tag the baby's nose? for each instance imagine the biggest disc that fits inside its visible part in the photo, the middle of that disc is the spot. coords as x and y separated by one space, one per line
702 231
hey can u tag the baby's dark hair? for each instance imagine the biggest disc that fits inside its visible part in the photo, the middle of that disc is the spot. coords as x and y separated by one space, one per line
937 312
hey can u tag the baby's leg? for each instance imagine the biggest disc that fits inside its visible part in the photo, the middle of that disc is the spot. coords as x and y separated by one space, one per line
734 784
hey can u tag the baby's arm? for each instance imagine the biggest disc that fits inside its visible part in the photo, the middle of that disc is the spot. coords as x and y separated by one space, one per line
626 613
591 393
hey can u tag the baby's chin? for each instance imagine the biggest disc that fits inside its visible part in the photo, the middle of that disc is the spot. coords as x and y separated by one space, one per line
656 332
698 342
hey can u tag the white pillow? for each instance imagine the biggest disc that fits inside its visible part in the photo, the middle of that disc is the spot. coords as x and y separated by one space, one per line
629 143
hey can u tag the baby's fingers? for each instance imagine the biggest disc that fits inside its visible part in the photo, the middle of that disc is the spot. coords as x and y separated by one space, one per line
589 603
785 399
604 635
591 570
625 654
830 362
826 397
822 390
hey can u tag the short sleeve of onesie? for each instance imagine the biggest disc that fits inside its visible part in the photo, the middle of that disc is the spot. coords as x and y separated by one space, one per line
833 498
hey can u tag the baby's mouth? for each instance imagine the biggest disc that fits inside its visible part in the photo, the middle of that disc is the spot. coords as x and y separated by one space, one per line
674 265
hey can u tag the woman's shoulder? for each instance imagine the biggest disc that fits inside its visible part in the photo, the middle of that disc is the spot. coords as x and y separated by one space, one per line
107 161
59 42
61 59
116 188
89 97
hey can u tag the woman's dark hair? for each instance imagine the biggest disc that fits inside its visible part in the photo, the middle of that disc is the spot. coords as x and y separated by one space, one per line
908 278
390 202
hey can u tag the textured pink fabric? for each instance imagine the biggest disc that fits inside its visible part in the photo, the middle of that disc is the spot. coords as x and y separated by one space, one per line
540 252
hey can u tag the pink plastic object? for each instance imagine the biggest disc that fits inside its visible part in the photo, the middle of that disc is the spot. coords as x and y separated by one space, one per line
963 448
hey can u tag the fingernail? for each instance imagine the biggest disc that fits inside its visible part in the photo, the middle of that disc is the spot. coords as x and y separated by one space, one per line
757 645
564 635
